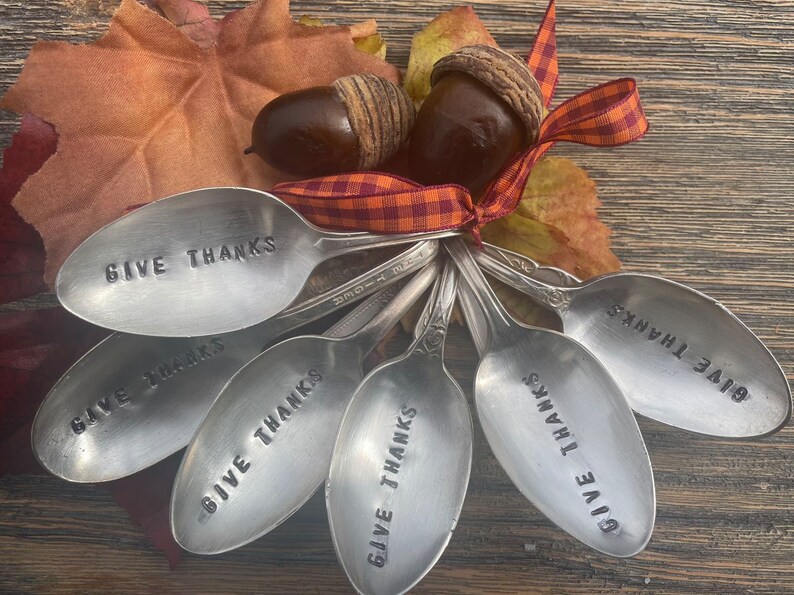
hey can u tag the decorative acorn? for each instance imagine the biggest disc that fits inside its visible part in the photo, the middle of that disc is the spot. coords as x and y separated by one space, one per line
357 123
484 107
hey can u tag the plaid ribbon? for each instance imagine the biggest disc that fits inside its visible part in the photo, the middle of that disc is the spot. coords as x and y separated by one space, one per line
605 116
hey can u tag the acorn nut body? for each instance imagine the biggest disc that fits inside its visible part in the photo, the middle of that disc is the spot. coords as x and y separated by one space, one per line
484 107
357 123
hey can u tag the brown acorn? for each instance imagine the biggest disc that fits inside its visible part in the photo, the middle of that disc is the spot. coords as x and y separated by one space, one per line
357 123
483 108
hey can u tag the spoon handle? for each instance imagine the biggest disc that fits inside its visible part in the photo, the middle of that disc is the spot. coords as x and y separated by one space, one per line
498 320
424 317
381 276
433 331
335 243
556 298
478 328
524 264
364 312
372 332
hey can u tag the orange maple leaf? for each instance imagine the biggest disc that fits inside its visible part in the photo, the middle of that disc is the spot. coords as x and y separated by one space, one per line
150 110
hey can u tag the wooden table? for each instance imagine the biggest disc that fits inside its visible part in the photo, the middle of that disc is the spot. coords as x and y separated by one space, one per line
705 199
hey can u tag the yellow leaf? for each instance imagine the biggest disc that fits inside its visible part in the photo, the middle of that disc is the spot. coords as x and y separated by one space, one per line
365 35
446 33
372 44
308 21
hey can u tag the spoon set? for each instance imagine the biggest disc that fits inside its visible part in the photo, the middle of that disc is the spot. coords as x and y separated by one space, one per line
198 286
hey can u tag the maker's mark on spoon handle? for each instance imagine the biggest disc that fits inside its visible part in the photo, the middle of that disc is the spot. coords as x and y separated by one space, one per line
377 328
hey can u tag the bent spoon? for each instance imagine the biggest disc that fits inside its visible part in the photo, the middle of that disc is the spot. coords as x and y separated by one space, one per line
133 400
266 443
401 461
561 428
679 356
203 262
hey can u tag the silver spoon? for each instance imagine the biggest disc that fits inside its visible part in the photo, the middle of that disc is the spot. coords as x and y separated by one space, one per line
524 264
133 400
560 427
401 462
679 356
266 443
203 262
475 320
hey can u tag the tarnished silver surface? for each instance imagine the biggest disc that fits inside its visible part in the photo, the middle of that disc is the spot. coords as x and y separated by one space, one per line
401 462
561 428
133 400
679 356
475 321
266 443
203 262
524 264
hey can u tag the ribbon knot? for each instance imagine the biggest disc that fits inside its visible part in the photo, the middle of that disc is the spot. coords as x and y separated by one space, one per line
604 116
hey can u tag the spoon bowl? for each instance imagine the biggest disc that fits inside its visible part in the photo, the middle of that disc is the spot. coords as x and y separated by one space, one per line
266 443
401 463
203 262
564 434
133 400
679 356
559 425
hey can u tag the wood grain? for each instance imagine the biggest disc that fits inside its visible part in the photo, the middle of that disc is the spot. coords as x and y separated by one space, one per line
705 198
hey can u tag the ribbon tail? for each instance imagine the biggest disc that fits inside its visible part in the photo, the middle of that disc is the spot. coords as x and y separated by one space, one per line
542 58
608 115
605 116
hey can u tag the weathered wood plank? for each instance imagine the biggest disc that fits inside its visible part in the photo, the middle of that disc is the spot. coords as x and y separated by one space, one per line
705 199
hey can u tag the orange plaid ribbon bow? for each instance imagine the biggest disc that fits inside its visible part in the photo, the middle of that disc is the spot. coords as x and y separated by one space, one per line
605 116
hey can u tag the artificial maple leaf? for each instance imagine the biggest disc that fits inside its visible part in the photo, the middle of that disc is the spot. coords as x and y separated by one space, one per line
446 33
21 249
145 112
556 223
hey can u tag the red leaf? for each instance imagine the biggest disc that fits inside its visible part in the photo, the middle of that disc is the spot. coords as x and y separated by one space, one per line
21 248
36 348
146 497
31 146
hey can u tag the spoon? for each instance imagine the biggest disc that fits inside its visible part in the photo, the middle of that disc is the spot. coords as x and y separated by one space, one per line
679 356
401 462
133 400
201 263
524 264
475 320
560 427
266 443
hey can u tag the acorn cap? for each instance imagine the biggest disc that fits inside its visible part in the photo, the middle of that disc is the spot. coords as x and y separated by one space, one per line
505 74
381 115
